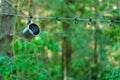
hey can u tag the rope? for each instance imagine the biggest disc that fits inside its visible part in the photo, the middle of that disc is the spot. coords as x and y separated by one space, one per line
62 18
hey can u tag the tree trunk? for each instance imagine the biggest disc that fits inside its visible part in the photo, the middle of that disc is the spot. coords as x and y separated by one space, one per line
67 51
1 77
95 55
66 46
6 29
30 6
96 37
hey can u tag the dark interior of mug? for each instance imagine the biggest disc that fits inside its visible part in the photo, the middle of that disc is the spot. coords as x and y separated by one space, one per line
34 28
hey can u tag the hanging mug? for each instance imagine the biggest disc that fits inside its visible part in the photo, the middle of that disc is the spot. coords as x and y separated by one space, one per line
31 30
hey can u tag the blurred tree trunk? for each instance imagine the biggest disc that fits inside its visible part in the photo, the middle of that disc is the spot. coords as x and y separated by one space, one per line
95 55
67 51
30 6
94 75
6 29
66 45
1 77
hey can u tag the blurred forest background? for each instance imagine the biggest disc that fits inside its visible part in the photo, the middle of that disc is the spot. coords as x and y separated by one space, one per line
63 50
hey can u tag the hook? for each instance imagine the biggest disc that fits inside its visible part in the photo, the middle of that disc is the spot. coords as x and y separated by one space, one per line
111 22
76 20
57 18
30 19
90 21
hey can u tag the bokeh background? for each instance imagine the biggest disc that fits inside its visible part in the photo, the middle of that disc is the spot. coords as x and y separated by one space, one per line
63 50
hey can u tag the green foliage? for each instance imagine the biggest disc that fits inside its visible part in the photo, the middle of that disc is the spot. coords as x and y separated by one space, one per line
37 44
23 67
41 58
27 61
